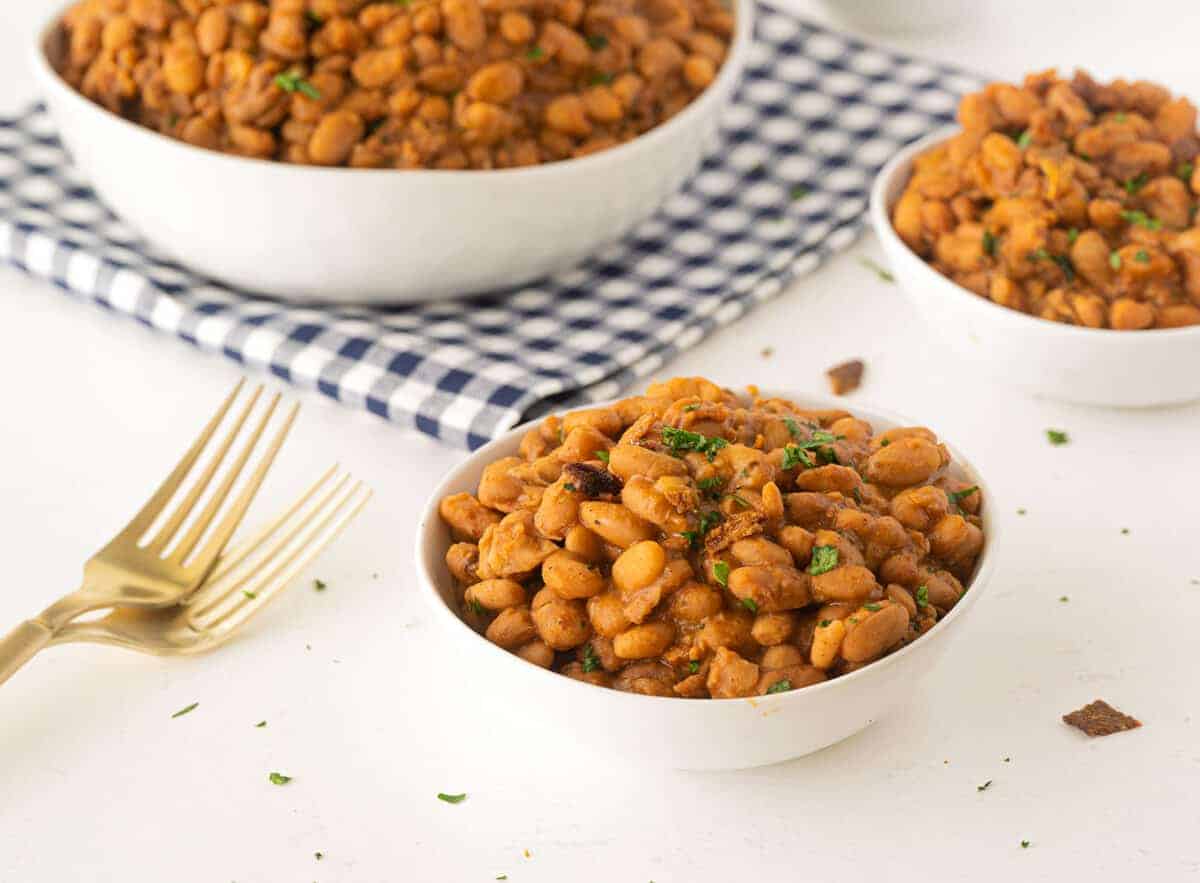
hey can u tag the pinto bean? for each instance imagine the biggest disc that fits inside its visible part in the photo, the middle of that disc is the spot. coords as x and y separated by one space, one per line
879 627
644 641
496 594
570 576
512 628
906 461
466 516
850 583
561 624
615 523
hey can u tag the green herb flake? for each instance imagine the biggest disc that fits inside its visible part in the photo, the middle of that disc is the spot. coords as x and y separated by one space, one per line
740 500
922 595
185 710
1063 599
694 666
709 520
1072 235
1141 219
1022 511
780 686
319 585
792 426
824 559
749 603
600 79
872 607
711 486
1142 256
591 661
989 242
1024 139
721 573
825 623
292 81
690 535
278 778
597 41
799 191
260 725
1024 844
885 443
1184 171
1133 185
536 53
1057 437
958 496
476 608
794 455
603 457
569 487
250 595
451 798
680 440
879 271
313 19
1064 264
695 406
1124 531
984 786
502 876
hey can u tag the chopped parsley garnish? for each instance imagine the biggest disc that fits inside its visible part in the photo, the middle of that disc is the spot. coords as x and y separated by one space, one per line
1064 264
984 786
780 686
1024 139
250 595
318 855
1063 599
260 725
721 573
690 535
799 191
824 559
292 81
597 41
1124 531
1142 256
1039 254
1022 511
476 608
792 426
319 585
600 79
872 607
1185 170
569 487
740 500
694 666
694 406
961 495
679 440
1072 235
1057 436
451 798
885 442
591 661
1133 185
278 778
825 623
535 53
502 876
1024 844
184 711
749 603
313 19
602 456
1114 260
989 242
922 595
1120 116
1139 217
879 271
794 455
709 520
711 486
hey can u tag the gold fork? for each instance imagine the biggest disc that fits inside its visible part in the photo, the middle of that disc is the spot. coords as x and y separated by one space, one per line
169 566
244 581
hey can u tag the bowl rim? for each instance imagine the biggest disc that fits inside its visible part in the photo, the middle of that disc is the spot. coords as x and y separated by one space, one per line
429 521
879 209
708 101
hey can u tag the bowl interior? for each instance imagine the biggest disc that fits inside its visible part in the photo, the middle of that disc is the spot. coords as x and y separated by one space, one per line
440 588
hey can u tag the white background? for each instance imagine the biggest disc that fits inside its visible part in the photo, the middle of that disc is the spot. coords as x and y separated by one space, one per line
97 782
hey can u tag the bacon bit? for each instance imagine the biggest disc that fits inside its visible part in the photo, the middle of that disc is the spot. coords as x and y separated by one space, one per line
592 480
845 377
736 527
760 442
1100 719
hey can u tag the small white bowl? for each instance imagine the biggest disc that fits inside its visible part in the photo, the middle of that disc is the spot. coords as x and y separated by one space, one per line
1096 366
698 734
344 235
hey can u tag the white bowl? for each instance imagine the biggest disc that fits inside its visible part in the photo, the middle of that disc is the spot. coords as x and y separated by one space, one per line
1090 365
383 236
702 734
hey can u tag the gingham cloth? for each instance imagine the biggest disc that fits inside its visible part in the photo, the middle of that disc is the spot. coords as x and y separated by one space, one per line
816 115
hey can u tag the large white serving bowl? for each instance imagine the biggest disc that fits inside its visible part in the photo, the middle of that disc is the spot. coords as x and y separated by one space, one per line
379 236
1096 366
700 734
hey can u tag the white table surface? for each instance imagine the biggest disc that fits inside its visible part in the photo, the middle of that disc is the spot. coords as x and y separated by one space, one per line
99 783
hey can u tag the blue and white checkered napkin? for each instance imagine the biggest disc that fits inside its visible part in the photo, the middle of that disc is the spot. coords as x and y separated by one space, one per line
816 116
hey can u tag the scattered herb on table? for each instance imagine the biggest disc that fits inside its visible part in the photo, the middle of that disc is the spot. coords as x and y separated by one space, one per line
767 352
318 855
1124 531
780 686
319 585
451 798
882 273
250 595
824 559
1057 436
185 710
680 440
1063 599
1024 844
984 786
279 778
260 724
721 573
1021 511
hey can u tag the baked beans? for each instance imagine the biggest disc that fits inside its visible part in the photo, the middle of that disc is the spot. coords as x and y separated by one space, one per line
445 84
1070 200
692 542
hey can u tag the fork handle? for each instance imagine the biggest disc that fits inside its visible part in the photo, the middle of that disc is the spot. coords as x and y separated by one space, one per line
21 645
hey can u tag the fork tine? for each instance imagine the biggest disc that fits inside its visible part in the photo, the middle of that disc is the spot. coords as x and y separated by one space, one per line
163 537
207 555
226 578
146 515
268 586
